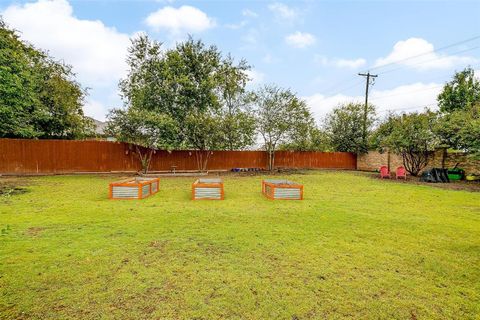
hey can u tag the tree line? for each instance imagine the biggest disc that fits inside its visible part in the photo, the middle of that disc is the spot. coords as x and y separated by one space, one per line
194 97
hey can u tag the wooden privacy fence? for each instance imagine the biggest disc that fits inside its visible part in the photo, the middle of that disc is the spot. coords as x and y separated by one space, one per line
18 156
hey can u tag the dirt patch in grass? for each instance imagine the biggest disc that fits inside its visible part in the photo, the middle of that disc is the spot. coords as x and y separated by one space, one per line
34 231
472 186
12 186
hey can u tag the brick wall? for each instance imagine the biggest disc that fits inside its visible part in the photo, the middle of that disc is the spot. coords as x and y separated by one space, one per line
374 160
464 161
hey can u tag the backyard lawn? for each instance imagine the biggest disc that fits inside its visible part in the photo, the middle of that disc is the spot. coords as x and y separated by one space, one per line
356 247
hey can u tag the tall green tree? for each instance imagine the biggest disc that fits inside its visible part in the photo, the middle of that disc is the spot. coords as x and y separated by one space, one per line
461 93
39 97
279 113
344 126
237 119
460 130
458 126
195 86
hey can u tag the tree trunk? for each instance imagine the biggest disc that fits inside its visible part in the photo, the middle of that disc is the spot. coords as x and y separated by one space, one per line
444 157
414 162
145 159
271 160
202 157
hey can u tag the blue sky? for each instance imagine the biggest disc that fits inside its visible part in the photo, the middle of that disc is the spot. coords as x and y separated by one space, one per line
316 48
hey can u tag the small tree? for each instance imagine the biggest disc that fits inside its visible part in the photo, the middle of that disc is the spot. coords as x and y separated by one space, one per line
146 130
344 125
278 112
205 135
409 135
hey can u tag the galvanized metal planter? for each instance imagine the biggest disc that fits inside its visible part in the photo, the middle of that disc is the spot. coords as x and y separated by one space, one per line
282 190
134 188
207 189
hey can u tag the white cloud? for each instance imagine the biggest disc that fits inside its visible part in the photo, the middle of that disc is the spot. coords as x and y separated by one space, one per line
405 98
96 52
184 19
283 11
255 76
251 37
236 26
249 13
340 63
268 58
427 59
95 109
300 39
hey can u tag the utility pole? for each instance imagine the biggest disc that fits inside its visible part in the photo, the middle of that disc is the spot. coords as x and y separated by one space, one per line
368 75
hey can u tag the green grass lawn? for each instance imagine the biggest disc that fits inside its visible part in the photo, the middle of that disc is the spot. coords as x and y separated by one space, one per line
356 247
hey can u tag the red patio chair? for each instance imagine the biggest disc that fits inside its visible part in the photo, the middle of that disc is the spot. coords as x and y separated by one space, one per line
384 173
401 173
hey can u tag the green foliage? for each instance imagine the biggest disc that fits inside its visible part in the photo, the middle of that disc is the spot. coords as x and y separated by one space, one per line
460 129
458 126
236 117
143 128
344 126
196 87
281 118
39 97
409 135
461 93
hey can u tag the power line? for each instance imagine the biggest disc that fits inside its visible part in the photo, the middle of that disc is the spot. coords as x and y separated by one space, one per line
425 53
408 108
430 60
411 91
423 89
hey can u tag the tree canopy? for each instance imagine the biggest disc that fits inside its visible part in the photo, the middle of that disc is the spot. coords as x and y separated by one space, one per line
344 126
458 126
39 97
200 91
281 118
461 93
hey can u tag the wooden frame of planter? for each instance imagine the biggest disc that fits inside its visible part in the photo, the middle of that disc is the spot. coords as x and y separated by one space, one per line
282 190
133 188
208 189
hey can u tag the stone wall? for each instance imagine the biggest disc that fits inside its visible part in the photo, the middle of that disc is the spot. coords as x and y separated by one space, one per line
374 160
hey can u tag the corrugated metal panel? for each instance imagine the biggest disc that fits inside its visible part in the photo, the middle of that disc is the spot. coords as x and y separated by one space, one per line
125 192
154 186
205 193
287 193
145 191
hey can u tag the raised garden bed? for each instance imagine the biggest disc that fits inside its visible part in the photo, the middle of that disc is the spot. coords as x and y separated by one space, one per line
207 189
282 190
134 188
